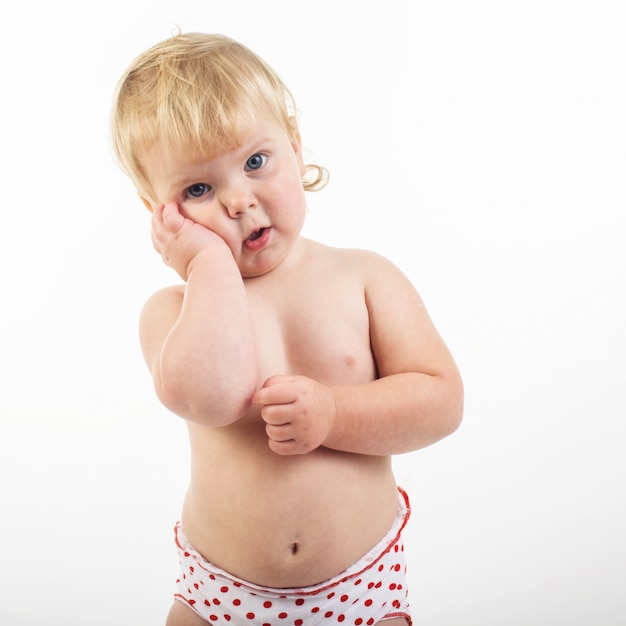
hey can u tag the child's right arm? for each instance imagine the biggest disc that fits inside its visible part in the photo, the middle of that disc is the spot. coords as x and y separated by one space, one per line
197 340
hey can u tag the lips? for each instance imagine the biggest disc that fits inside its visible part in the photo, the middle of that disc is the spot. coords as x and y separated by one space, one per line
258 239
256 234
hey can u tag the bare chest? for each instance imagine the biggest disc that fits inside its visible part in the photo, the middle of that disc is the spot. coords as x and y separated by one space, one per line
313 328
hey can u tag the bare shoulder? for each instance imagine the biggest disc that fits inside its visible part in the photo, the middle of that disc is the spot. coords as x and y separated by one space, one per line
365 262
380 276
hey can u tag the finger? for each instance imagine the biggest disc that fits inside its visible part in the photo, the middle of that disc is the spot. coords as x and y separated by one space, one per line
279 379
157 217
284 448
172 217
156 243
277 414
276 390
287 448
279 433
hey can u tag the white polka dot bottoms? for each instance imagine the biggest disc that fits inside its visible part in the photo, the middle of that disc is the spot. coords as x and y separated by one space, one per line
372 590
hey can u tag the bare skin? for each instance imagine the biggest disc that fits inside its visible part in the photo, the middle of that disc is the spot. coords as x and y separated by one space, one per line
299 369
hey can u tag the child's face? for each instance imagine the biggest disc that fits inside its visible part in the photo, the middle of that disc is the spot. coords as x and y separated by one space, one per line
251 196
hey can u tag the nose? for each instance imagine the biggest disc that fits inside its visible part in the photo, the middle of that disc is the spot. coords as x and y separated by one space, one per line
237 200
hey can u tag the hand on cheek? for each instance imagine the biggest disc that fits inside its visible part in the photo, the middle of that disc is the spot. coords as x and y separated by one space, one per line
179 239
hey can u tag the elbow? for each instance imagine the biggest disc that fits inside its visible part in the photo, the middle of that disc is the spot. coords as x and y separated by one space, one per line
454 412
446 409
220 405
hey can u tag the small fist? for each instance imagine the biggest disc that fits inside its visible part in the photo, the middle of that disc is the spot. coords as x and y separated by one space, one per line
298 413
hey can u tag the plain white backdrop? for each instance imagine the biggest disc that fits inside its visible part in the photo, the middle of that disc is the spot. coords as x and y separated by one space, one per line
480 145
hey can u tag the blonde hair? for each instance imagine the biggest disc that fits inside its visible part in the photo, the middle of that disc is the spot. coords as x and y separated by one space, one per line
201 91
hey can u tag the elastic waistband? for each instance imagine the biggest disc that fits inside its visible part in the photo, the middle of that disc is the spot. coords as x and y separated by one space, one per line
378 552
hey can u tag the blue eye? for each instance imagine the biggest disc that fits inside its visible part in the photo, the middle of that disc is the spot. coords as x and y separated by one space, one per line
197 190
256 161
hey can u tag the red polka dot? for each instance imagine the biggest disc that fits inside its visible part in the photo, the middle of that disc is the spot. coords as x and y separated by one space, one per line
358 621
341 618
236 601
191 569
213 618
207 603
227 618
192 602
267 604
392 586
315 609
344 598
216 602
282 615
331 595
328 614
397 567
358 581
381 567
370 621
368 602
299 601
298 622
224 589
250 615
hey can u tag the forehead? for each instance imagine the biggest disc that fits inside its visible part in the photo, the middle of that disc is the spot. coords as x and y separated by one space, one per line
208 142
166 160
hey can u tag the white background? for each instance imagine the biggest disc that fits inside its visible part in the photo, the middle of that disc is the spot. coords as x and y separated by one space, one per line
480 145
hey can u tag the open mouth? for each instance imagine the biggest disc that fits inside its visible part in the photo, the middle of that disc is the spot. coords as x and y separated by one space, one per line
258 239
256 234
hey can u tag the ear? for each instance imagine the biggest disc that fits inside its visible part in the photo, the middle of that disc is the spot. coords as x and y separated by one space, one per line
147 203
296 143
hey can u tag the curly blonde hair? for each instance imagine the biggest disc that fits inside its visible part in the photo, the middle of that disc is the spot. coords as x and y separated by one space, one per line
200 90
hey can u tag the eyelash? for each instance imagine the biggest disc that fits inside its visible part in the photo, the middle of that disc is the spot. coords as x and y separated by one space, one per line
206 188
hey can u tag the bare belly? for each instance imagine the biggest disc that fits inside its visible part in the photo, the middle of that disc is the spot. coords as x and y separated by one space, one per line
283 521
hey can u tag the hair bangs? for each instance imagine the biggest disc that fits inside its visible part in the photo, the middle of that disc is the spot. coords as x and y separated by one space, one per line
197 91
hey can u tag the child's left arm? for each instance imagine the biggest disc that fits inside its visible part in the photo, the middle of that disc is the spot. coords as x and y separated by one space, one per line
416 400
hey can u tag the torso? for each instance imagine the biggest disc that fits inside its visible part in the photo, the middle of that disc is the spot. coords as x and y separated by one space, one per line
292 521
